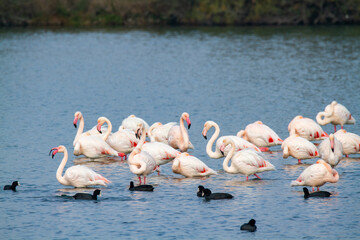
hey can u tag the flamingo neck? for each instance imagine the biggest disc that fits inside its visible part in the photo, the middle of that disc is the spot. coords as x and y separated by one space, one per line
108 130
142 138
80 130
228 157
60 169
216 153
184 136
134 165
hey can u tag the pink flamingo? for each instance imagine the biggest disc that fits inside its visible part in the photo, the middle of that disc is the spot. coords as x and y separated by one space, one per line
178 137
260 134
349 141
331 150
190 166
77 176
306 128
316 175
247 162
159 132
336 114
299 148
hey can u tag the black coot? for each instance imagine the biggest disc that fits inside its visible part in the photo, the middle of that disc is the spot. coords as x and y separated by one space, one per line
200 192
215 196
12 186
87 196
250 226
144 187
315 194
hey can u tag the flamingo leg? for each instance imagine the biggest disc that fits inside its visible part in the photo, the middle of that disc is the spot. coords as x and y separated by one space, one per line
247 178
299 161
347 155
313 189
144 179
264 149
318 189
140 180
334 128
257 176
342 127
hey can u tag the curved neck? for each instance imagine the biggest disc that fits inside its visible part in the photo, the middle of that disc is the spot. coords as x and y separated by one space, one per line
133 164
142 138
228 157
106 135
80 130
60 169
216 153
184 135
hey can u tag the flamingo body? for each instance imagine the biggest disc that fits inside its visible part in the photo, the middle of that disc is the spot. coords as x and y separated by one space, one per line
316 175
178 136
123 140
132 122
299 148
159 132
306 128
331 150
349 141
141 163
190 166
260 134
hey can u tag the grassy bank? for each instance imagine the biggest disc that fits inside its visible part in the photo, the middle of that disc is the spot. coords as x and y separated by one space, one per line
177 12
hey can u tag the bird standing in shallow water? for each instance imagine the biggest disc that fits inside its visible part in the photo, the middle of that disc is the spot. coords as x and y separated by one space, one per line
12 186
87 196
250 226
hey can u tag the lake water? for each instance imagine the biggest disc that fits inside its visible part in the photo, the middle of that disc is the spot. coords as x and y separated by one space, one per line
233 76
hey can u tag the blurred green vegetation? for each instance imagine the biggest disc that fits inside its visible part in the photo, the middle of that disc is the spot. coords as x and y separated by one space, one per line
177 12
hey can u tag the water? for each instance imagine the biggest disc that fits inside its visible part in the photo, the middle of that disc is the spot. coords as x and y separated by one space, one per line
233 76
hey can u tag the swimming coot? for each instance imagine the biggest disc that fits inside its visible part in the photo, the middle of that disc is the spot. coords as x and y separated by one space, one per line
144 187
200 192
250 226
315 194
12 186
87 196
215 196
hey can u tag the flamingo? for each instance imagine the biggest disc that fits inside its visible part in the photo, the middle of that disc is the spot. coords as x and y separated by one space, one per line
331 150
316 175
95 146
77 176
260 134
132 122
247 162
299 148
141 163
306 128
123 141
190 166
178 137
349 141
240 143
159 132
78 116
161 152
336 114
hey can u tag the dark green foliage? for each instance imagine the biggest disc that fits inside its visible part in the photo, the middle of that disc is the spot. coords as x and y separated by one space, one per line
178 12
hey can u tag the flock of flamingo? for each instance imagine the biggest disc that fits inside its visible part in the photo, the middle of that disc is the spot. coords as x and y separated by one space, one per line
170 143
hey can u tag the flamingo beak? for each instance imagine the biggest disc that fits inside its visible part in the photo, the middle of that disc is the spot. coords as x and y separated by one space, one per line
222 149
99 128
188 122
75 121
138 134
204 132
54 151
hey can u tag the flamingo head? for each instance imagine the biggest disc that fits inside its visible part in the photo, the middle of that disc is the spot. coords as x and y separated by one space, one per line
139 130
185 116
225 142
77 116
56 150
206 128
100 121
